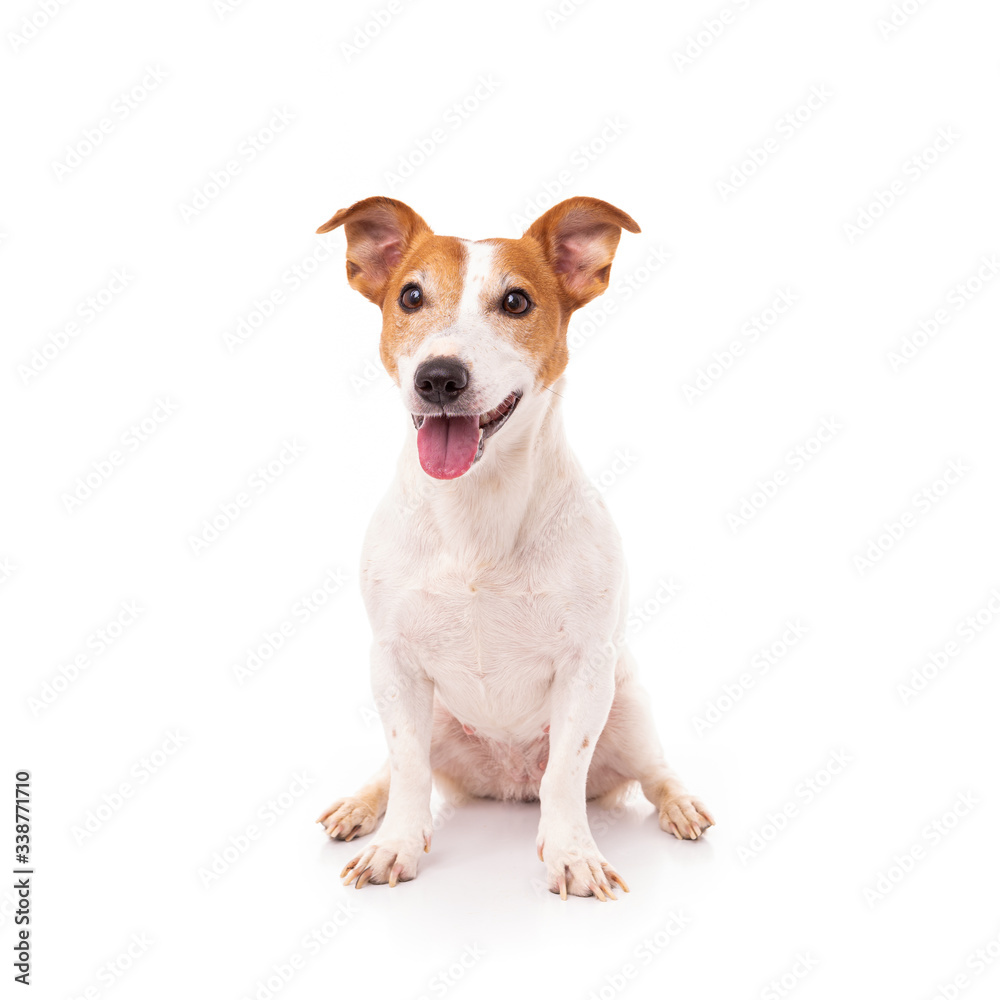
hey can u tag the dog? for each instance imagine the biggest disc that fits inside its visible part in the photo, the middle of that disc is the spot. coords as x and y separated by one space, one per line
492 573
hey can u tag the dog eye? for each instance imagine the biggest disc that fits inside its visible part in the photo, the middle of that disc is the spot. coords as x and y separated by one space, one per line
516 303
411 298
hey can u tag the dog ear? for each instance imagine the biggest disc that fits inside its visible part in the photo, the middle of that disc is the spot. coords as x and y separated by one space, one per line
378 232
579 237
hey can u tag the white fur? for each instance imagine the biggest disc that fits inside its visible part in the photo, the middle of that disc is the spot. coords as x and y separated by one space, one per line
497 601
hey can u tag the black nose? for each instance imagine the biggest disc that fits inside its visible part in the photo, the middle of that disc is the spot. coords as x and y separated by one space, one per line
441 380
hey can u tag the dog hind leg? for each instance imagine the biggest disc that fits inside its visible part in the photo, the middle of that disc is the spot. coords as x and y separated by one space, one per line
629 749
358 814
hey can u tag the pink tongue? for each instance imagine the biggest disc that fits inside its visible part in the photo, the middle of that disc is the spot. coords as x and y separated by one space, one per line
447 446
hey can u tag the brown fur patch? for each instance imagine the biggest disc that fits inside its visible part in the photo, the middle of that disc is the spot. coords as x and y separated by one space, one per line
541 333
437 265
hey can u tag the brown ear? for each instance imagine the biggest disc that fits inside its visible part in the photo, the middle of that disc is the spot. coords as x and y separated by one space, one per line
579 237
378 233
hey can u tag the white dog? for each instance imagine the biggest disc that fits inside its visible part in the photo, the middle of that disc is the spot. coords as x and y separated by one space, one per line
492 572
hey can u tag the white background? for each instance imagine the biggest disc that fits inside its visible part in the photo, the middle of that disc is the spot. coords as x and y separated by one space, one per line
595 102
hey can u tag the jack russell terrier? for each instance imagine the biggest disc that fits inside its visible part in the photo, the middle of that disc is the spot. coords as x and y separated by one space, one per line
492 572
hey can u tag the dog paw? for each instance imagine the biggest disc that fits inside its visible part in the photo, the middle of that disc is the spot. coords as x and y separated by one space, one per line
392 861
580 870
686 818
348 818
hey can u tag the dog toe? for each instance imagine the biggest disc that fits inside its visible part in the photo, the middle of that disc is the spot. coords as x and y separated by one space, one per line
348 818
686 818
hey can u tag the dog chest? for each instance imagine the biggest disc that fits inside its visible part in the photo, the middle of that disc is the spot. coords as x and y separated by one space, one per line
481 623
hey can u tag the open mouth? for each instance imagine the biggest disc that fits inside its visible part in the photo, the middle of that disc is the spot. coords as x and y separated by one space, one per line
448 446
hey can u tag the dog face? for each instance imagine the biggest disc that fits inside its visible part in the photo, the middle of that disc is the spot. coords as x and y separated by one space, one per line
470 330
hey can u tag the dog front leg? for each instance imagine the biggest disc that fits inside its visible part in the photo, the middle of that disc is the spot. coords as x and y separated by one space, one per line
579 705
406 698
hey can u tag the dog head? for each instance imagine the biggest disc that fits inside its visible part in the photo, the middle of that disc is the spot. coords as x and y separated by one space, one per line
473 331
